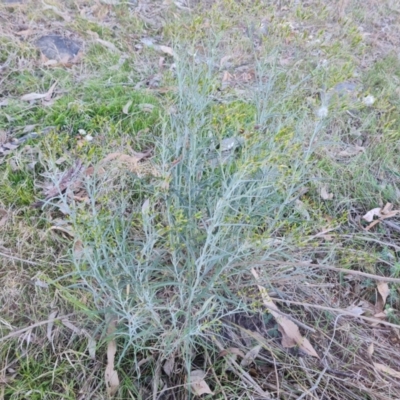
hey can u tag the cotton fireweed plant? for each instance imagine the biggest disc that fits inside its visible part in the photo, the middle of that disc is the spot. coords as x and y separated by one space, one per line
166 255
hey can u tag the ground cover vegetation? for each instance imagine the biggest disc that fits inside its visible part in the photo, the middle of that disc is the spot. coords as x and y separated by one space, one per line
199 199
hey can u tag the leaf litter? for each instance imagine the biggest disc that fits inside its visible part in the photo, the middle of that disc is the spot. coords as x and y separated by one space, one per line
110 374
126 107
383 292
291 335
197 383
50 325
382 214
325 195
169 365
40 96
387 370
250 356
72 181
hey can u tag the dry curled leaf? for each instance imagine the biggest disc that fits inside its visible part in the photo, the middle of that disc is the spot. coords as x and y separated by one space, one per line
3 217
384 291
50 325
356 310
125 110
387 209
227 77
37 96
250 356
198 384
33 96
25 32
91 346
169 365
67 230
230 354
146 206
10 146
387 370
111 375
167 50
382 213
369 216
71 326
325 195
234 351
78 249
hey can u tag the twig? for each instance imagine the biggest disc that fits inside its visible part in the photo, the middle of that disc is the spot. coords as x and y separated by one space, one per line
332 268
20 259
303 365
277 379
17 333
370 239
391 225
344 312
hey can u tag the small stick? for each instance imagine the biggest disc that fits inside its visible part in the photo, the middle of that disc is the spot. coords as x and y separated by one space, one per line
332 268
344 312
17 333
19 259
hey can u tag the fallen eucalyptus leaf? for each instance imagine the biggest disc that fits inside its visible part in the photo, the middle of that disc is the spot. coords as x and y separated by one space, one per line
125 110
384 291
167 50
50 324
369 216
325 195
111 376
198 384
387 370
37 96
169 365
250 356
371 349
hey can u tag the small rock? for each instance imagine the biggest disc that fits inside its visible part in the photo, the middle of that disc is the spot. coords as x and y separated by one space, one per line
58 48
